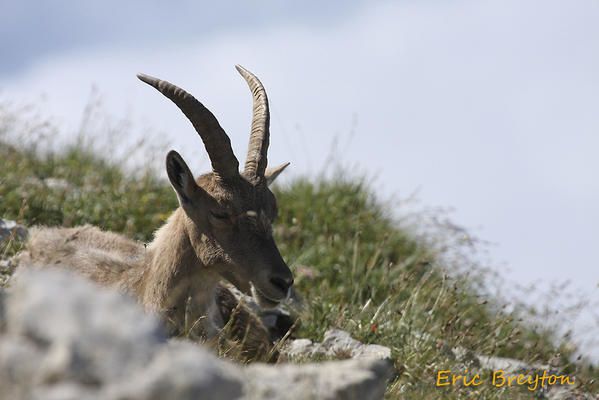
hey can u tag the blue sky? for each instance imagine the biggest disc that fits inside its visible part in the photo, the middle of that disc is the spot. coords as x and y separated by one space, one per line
489 107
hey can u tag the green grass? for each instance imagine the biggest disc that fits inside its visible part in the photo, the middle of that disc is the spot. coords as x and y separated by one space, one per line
356 266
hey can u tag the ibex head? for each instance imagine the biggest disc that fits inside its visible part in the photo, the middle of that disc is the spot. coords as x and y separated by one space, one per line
230 214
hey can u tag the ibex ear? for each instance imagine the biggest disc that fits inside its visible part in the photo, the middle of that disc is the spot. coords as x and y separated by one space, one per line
181 177
272 173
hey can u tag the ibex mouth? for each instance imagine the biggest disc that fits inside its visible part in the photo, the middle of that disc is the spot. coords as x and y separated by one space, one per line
263 299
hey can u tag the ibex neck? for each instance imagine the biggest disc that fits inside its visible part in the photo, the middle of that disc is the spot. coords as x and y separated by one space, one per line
175 284
173 263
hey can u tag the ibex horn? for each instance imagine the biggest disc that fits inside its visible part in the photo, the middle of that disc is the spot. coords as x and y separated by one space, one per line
255 163
216 141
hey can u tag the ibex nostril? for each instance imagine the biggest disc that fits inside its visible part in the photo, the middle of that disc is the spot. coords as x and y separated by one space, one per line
281 283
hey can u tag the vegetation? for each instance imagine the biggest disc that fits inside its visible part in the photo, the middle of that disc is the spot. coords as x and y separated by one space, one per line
357 267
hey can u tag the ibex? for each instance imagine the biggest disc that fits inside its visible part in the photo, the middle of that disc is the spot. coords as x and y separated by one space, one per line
222 229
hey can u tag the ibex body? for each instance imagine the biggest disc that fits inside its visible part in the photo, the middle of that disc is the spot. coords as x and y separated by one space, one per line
222 229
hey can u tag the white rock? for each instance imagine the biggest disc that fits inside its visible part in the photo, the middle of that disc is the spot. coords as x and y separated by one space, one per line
9 228
19 361
65 338
336 340
182 371
349 379
89 334
337 344
298 347
509 365
57 184
5 266
2 317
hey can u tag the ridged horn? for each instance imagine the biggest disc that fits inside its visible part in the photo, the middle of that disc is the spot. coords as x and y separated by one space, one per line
216 141
255 163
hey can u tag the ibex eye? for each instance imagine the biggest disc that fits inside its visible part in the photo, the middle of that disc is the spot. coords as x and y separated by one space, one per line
219 215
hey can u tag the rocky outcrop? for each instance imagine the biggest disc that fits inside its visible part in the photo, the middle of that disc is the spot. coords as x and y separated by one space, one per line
10 229
336 344
62 337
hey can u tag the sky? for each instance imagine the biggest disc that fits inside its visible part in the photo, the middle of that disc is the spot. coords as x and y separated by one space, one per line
487 107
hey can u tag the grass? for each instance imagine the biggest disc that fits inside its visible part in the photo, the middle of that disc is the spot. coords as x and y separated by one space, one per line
358 268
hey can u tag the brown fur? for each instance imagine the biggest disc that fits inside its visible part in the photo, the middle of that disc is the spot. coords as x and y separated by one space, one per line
165 276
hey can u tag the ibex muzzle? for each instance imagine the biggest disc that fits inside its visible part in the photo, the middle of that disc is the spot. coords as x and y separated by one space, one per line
229 214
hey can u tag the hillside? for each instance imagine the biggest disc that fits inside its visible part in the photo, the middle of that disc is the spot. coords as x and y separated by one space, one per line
357 267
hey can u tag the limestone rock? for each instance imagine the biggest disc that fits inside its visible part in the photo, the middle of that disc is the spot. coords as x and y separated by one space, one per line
337 344
348 379
182 371
78 324
1 310
508 365
65 338
9 228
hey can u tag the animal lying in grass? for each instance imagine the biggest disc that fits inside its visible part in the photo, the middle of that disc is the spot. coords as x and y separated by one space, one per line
221 230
